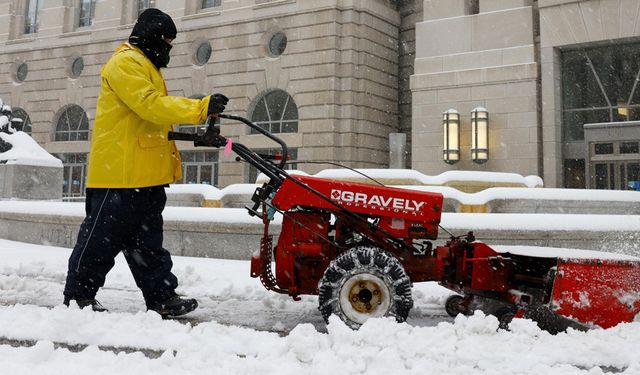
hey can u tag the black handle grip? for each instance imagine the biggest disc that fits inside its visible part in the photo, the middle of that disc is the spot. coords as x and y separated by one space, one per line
174 136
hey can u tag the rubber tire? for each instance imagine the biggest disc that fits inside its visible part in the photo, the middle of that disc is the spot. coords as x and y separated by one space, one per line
367 262
505 315
452 306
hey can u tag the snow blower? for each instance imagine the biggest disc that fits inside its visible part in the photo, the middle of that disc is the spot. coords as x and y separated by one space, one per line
359 247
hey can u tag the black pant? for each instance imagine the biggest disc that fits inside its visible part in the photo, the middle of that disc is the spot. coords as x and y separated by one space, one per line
127 220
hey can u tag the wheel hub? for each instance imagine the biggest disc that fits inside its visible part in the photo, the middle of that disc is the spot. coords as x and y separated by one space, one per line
364 296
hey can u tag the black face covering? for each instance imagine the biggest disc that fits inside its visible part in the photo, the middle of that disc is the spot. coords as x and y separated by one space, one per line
149 34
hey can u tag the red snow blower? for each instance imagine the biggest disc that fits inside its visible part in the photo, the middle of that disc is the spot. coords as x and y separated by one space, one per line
359 247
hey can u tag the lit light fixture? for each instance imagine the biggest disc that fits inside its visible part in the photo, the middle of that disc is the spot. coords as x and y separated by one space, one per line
480 135
451 127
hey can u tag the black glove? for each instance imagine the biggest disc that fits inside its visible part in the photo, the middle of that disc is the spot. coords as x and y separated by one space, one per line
217 103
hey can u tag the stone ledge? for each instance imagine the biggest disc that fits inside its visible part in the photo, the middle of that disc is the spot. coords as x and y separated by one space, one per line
240 240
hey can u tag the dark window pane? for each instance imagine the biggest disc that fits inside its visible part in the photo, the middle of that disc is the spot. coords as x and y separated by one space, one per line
580 88
76 178
601 176
277 44
574 173
574 122
275 127
602 83
211 156
633 176
617 68
290 127
206 174
629 148
612 176
24 116
276 101
22 72
291 112
187 156
260 112
203 53
211 3
191 175
603 148
83 136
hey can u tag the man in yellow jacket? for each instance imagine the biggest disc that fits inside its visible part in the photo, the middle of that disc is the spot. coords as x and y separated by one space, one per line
130 163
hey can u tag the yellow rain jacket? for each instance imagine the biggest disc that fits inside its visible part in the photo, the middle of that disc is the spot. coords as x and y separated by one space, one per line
129 145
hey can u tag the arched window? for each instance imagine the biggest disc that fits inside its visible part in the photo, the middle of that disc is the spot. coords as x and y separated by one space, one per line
72 124
24 116
276 112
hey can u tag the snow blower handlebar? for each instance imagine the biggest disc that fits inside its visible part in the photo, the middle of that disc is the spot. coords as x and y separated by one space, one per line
212 138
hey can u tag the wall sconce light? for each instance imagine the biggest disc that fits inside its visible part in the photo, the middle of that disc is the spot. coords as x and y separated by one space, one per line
451 127
480 135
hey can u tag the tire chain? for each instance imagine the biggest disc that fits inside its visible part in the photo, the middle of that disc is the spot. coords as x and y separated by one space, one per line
350 261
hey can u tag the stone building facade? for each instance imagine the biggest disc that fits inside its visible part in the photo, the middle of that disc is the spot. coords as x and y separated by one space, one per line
336 79
544 70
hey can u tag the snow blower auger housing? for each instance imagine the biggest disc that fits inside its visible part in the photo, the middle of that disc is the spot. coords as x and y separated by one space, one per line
359 247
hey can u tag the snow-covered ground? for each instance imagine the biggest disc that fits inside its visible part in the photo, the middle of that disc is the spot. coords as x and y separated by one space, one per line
242 329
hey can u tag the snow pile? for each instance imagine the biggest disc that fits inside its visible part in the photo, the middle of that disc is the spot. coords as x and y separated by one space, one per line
409 174
26 151
471 345
235 318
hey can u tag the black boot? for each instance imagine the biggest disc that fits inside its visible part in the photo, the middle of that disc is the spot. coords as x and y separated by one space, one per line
82 303
173 306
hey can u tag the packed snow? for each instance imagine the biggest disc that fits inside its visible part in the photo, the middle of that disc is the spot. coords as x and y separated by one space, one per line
241 328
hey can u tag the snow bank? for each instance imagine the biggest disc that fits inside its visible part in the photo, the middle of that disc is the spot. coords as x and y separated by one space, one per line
409 174
460 346
471 345
26 151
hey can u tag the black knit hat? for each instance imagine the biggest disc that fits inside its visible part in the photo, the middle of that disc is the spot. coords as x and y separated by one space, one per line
154 24
149 34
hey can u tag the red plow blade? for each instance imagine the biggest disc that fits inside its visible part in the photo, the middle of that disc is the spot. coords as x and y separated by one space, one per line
600 293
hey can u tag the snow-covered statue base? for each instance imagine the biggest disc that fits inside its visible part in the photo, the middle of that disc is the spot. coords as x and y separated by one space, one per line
27 171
